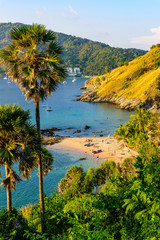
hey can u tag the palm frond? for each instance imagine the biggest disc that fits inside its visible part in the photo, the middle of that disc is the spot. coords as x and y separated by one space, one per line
5 182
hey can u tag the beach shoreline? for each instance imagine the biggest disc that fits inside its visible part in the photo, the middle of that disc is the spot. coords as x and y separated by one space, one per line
111 148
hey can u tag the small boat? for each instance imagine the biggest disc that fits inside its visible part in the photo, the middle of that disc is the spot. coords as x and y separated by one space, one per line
97 151
74 79
64 82
5 78
44 105
9 81
49 109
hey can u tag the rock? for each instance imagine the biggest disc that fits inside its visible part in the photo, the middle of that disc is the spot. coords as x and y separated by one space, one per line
51 140
86 127
48 132
82 159
101 135
68 128
54 129
77 131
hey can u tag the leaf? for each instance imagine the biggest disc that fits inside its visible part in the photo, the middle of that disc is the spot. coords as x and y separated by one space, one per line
6 181
15 177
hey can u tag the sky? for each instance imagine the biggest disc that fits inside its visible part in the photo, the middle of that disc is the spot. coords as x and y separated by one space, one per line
119 23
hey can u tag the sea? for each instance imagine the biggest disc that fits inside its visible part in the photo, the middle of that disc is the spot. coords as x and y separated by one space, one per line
68 115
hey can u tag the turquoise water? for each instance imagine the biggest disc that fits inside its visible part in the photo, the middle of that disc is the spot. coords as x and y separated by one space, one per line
66 113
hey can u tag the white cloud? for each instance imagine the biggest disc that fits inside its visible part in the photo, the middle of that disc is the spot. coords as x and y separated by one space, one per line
148 40
41 13
72 10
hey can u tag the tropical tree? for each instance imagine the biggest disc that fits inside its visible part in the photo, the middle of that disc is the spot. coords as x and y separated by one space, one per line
18 141
33 61
107 70
141 118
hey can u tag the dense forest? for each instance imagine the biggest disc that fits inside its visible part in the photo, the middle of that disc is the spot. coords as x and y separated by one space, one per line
113 201
91 57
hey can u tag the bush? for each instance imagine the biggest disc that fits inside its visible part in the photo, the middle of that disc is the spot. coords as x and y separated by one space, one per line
12 225
157 63
126 85
139 72
153 46
126 63
120 64
98 81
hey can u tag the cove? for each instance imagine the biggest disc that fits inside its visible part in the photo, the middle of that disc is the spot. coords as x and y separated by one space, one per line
66 113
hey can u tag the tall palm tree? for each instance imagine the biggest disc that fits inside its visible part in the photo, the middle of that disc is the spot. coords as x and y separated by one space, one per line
18 142
33 61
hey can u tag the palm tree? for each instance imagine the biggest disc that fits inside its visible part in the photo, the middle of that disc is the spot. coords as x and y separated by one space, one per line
33 61
18 141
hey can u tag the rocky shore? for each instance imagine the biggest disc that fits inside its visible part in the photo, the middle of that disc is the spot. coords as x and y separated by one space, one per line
90 95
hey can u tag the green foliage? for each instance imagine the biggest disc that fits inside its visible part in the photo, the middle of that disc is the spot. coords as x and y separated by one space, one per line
153 46
126 208
72 184
139 72
158 82
12 225
157 63
98 81
139 129
126 63
126 85
91 57
120 64
107 70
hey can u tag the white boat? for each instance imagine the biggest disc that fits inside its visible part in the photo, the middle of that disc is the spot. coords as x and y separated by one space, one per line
9 81
49 109
64 82
5 78
44 105
74 79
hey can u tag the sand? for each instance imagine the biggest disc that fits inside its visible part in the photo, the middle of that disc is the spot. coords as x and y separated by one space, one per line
111 148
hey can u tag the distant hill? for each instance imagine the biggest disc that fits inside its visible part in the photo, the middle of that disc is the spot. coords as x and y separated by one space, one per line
130 86
91 57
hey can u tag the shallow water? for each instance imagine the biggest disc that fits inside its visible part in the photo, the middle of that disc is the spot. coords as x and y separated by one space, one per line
101 117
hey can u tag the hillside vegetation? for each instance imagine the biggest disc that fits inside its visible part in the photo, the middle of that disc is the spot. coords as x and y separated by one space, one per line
110 202
139 79
91 57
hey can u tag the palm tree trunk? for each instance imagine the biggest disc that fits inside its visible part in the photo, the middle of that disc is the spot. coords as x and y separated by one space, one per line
41 197
8 189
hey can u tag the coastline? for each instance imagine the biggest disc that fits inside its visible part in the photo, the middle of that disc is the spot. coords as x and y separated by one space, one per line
111 148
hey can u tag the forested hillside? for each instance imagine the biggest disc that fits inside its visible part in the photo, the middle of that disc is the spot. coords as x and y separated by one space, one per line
92 57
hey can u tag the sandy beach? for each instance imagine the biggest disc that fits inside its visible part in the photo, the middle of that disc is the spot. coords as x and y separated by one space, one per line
111 148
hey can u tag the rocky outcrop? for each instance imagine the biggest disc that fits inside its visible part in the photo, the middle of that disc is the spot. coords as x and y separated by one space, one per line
51 140
124 103
49 131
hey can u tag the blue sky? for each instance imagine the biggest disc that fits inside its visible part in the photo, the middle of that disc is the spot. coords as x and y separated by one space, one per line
119 23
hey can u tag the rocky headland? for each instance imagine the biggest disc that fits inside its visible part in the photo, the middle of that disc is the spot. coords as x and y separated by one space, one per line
131 86
129 104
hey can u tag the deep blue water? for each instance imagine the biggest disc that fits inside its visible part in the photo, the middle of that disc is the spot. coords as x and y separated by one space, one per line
101 117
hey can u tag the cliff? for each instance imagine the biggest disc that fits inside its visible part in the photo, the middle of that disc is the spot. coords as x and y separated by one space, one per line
132 85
